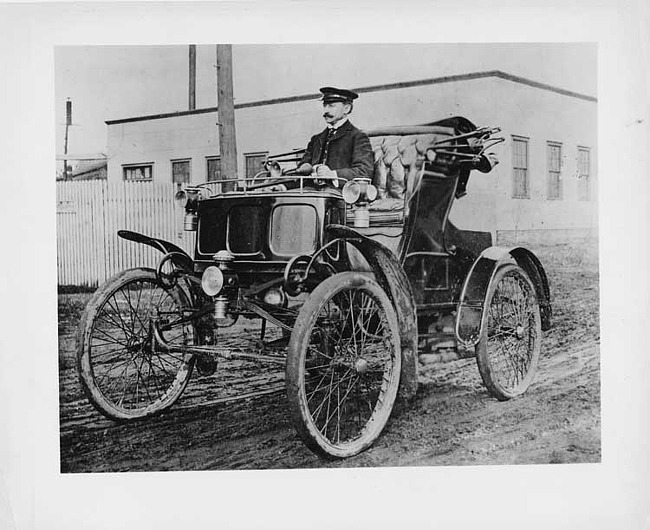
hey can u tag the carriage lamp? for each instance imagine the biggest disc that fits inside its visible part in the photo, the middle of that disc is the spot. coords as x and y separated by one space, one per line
191 222
212 280
359 192
222 258
218 279
188 199
351 192
220 275
221 308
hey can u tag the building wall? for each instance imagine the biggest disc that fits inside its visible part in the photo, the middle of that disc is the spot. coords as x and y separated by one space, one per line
537 114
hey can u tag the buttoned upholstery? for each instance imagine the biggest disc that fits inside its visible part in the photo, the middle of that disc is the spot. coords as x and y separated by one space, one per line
397 167
398 162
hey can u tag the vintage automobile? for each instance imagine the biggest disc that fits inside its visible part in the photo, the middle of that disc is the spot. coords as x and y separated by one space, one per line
342 283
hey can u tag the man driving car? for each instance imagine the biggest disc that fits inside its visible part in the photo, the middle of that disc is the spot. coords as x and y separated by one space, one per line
341 150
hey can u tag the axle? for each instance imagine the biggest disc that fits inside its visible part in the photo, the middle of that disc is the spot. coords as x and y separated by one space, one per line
160 342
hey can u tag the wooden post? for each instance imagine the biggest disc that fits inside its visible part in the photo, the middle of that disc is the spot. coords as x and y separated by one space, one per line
68 122
192 81
226 113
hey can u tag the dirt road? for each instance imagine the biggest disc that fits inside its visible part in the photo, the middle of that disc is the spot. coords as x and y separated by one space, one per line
217 424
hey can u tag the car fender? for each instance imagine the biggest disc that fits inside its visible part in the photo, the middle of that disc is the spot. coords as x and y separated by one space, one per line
178 256
159 244
390 275
470 317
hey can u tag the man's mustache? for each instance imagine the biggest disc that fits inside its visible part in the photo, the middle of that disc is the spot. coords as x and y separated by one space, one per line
326 115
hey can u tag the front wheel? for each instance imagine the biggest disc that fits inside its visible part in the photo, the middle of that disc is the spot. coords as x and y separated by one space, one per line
508 351
122 372
343 365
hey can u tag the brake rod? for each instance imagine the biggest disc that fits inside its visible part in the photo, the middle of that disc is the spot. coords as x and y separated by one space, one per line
162 343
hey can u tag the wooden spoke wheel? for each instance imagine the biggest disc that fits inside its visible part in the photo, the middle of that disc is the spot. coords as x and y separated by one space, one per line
343 365
122 372
508 351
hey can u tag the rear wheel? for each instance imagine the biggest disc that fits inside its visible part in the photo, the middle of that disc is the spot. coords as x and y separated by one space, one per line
343 365
122 372
508 351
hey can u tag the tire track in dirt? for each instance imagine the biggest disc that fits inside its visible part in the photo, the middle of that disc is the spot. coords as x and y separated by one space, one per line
217 424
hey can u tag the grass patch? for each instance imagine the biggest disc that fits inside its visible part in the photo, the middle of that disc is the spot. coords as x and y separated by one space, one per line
70 306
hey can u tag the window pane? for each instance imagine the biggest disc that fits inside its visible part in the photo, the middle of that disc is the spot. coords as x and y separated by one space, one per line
554 152
246 229
181 171
583 174
214 168
293 229
143 172
520 168
520 149
583 161
554 171
254 164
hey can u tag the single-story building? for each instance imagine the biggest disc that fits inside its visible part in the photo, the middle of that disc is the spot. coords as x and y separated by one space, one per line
546 179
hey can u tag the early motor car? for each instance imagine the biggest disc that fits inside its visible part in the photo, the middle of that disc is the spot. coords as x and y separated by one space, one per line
344 283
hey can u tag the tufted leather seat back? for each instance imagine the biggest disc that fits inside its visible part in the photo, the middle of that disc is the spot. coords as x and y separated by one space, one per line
399 153
398 161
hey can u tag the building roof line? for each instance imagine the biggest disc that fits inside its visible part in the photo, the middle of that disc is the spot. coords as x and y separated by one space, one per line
86 156
374 88
543 86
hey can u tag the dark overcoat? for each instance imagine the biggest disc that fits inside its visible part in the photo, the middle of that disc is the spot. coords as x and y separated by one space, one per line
349 152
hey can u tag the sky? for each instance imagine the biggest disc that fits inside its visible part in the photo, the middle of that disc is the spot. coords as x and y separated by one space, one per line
113 82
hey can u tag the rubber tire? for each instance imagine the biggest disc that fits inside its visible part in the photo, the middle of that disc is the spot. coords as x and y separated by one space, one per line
84 359
295 368
483 358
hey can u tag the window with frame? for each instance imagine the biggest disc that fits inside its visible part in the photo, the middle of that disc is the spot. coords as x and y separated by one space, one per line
181 171
255 163
520 183
138 172
213 168
583 173
554 163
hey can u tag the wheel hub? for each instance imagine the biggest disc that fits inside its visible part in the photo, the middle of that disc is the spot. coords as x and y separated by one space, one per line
361 366
133 344
142 345
519 331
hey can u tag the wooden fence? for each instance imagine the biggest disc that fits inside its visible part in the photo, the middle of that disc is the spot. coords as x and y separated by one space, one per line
89 214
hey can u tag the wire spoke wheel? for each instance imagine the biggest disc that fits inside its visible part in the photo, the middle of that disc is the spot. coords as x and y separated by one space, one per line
123 373
508 352
343 365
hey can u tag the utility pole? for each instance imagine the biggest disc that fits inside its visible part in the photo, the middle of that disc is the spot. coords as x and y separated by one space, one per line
226 113
192 84
68 122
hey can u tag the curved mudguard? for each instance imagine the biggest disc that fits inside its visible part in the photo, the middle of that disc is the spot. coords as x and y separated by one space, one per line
393 280
159 244
471 309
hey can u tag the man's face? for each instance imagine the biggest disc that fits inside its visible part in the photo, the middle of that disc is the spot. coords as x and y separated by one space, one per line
334 111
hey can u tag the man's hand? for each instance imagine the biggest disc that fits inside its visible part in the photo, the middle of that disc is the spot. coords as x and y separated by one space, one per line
322 171
304 169
328 175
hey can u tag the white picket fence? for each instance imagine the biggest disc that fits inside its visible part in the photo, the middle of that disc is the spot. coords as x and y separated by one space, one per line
89 214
